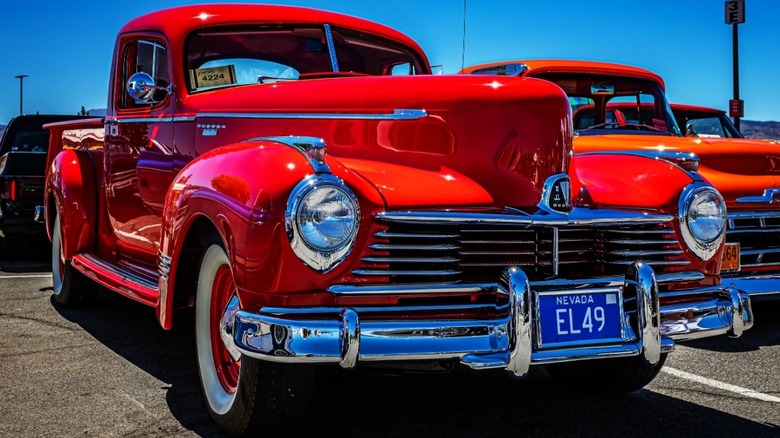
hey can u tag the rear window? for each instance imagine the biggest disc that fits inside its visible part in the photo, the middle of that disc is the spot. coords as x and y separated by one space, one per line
30 137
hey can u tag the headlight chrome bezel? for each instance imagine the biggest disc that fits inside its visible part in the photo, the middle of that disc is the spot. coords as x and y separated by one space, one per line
320 259
703 249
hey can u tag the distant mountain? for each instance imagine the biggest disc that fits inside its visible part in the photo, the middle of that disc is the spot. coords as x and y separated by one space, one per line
752 129
99 112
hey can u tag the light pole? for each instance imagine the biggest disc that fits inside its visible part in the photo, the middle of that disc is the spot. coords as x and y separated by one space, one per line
21 92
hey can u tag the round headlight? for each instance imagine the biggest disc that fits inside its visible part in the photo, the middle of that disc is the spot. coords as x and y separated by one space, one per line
322 220
326 218
703 220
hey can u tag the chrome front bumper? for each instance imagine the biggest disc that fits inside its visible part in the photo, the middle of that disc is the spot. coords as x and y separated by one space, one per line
350 335
755 285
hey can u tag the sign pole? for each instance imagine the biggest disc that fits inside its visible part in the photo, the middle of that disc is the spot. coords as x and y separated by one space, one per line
735 14
735 45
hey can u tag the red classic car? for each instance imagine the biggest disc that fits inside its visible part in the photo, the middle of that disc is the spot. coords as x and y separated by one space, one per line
619 108
302 180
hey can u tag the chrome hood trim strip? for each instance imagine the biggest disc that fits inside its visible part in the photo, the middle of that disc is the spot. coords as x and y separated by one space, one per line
578 216
397 114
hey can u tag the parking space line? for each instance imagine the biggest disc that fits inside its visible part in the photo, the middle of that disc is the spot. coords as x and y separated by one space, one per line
27 276
721 385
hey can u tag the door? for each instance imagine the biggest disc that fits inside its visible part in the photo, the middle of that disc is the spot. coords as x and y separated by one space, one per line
139 153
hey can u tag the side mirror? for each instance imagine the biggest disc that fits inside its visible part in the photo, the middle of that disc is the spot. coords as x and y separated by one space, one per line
141 88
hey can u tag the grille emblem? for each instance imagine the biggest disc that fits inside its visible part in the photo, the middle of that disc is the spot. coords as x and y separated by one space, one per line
556 194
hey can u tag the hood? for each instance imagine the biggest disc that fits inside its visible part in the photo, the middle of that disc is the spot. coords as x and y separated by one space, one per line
736 167
470 140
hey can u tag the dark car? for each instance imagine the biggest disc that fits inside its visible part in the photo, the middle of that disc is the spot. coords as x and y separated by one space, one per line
22 168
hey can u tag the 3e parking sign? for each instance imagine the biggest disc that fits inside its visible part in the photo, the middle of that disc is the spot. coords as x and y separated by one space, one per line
735 12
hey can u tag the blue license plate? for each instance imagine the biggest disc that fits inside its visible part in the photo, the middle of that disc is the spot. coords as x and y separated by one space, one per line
579 317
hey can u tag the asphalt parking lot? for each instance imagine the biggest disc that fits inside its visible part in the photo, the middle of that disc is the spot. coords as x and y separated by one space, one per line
110 370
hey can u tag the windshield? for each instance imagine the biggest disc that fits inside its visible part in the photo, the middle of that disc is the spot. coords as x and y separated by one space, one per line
615 105
260 54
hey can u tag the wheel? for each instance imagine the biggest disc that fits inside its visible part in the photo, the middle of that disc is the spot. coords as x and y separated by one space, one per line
605 376
71 287
244 395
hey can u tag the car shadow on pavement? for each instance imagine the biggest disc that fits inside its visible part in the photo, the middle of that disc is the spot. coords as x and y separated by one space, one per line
462 403
131 330
25 254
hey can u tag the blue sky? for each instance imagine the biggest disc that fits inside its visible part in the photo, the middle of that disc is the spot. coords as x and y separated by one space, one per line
65 47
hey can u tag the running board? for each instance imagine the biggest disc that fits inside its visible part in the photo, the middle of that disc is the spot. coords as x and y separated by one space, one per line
117 279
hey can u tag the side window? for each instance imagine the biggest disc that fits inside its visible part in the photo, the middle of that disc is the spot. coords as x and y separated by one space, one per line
148 57
402 69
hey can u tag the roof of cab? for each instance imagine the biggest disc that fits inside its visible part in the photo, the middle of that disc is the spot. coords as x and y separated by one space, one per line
541 66
695 108
178 22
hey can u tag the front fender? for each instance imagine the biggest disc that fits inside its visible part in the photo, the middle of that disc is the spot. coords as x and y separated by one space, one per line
71 184
242 191
612 180
616 180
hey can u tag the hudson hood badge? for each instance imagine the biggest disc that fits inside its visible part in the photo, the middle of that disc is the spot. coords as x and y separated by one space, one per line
556 194
209 129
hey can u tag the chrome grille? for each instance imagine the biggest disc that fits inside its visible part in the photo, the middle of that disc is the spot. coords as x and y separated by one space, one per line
758 235
613 248
409 252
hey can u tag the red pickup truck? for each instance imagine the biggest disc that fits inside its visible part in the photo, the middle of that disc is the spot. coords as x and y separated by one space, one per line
303 182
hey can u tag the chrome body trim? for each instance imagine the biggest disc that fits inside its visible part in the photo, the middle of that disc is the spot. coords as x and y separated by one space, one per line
755 285
163 265
342 336
769 196
397 114
754 215
502 70
578 216
40 214
115 120
313 148
462 288
117 271
334 62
